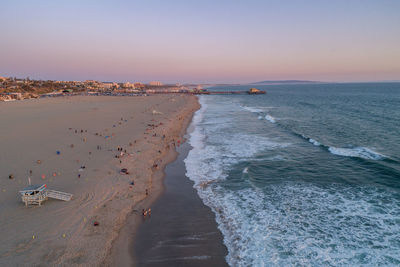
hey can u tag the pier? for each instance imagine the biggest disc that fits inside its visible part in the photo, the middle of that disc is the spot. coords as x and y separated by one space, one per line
252 91
221 93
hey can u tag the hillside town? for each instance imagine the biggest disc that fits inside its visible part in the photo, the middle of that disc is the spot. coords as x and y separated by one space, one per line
12 88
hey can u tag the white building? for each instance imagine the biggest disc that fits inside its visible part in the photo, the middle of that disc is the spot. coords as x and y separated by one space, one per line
129 85
110 85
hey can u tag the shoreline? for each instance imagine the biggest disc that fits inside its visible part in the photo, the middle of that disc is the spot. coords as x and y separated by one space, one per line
182 230
119 254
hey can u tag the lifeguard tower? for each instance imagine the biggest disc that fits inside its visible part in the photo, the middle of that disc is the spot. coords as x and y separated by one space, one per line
36 194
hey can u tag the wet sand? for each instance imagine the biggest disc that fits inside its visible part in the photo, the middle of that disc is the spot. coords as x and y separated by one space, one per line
63 233
181 230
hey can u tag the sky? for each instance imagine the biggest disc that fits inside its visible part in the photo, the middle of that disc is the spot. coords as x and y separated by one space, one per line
201 41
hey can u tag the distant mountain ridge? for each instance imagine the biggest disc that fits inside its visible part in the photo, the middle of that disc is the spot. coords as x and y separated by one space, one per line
285 82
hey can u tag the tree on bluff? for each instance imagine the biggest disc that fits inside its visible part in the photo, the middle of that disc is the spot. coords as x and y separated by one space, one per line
27 88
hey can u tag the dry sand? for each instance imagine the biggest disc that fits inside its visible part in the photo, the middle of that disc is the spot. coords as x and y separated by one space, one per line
62 233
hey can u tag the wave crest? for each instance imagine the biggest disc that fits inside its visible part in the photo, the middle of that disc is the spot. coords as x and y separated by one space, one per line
252 109
270 118
357 152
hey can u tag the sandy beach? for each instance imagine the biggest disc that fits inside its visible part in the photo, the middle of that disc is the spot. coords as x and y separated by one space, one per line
79 145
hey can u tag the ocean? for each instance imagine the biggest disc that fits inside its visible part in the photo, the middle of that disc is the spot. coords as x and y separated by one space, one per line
306 175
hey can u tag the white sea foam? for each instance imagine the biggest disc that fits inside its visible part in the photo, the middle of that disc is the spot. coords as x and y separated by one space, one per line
252 109
289 224
260 110
358 152
246 170
314 142
240 146
306 225
270 118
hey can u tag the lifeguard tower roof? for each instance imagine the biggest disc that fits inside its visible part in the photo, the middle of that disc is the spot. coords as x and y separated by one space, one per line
35 187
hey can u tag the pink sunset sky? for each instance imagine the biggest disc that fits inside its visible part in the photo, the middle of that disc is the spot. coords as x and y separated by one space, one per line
201 41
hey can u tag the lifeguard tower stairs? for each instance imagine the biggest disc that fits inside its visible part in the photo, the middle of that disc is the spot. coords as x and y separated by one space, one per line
59 195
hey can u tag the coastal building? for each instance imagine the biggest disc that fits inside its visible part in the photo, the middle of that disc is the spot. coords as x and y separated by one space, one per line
255 91
90 82
128 85
139 85
16 96
155 83
110 85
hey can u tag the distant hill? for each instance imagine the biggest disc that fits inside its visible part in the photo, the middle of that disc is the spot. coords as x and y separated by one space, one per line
285 82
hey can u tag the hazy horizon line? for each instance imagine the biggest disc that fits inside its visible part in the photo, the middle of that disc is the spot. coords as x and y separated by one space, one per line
211 82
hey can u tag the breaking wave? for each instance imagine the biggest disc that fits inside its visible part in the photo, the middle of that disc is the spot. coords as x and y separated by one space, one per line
315 143
252 109
359 152
355 152
260 116
270 118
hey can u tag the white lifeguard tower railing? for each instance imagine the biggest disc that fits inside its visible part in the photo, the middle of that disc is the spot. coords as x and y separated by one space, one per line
36 194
